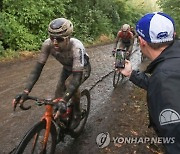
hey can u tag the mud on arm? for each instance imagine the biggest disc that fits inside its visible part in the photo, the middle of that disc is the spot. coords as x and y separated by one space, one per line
34 76
73 86
117 39
36 72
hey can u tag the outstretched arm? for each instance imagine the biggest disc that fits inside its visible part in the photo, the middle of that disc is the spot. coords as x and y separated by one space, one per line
116 41
34 76
36 72
140 79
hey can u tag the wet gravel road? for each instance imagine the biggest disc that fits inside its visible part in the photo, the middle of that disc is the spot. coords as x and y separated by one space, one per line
105 101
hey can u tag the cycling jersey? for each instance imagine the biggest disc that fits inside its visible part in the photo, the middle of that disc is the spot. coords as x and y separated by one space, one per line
73 59
125 37
75 63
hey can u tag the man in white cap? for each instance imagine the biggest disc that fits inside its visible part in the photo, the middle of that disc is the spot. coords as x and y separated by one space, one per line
161 79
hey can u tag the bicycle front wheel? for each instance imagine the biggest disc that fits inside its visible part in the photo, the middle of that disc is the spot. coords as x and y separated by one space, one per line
85 107
32 142
116 78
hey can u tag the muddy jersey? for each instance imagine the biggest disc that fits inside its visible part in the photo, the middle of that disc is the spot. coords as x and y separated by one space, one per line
73 58
125 37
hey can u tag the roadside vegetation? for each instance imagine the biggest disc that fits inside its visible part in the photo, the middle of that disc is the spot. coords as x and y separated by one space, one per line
23 25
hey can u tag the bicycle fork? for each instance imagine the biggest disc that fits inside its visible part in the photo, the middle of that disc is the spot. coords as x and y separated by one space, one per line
48 118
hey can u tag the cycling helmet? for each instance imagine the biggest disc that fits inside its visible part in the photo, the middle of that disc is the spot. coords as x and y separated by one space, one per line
60 27
125 27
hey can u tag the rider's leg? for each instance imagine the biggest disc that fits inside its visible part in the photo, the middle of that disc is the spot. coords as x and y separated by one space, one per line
76 101
76 105
76 96
121 45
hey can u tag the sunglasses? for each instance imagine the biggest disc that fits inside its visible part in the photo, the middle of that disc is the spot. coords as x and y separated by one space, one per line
58 39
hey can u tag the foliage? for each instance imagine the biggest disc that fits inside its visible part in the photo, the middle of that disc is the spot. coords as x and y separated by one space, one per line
15 35
24 23
1 48
172 8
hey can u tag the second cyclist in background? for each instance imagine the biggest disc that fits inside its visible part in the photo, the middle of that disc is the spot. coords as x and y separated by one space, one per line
125 39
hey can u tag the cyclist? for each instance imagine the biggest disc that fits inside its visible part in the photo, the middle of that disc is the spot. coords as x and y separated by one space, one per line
70 52
133 31
125 38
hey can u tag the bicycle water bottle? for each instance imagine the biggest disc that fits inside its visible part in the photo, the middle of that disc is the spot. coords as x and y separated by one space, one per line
120 59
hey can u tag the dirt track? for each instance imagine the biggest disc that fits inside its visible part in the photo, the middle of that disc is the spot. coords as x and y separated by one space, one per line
120 112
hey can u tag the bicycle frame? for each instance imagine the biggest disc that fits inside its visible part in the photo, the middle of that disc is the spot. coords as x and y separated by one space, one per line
38 137
48 117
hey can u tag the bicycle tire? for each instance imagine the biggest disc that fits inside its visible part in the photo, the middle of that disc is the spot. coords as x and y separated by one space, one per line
116 78
26 148
79 129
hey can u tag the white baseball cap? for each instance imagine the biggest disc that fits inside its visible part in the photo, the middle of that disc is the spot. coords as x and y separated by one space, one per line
156 27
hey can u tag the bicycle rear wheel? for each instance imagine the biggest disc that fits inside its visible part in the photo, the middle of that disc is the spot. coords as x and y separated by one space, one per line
85 107
32 143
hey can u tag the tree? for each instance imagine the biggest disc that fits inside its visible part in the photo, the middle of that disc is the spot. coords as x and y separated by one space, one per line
172 8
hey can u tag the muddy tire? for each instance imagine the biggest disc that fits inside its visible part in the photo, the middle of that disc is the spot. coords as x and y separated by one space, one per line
32 141
85 103
118 77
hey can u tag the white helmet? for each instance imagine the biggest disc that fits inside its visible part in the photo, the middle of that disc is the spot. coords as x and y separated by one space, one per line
60 27
125 27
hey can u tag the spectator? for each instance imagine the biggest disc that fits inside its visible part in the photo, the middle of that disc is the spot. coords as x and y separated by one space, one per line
161 79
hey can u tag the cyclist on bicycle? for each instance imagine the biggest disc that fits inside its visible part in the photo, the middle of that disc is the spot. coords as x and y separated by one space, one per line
125 38
70 52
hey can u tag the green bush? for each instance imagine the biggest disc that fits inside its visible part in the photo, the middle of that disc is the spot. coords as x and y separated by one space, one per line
16 36
24 23
1 48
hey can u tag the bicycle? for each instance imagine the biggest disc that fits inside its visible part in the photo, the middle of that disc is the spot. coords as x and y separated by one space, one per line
48 132
117 75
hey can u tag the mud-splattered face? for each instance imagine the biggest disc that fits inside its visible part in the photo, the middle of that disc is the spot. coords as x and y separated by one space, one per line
58 42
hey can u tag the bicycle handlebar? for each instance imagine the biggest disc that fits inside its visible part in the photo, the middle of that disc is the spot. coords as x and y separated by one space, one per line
39 102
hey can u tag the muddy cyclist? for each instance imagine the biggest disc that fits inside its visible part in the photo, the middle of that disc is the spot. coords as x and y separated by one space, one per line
70 52
125 38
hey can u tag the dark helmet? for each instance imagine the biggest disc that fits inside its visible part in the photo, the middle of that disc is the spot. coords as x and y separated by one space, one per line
60 27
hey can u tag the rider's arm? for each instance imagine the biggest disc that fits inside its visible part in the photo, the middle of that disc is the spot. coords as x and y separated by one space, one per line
131 42
34 76
140 79
116 41
77 70
73 86
36 72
